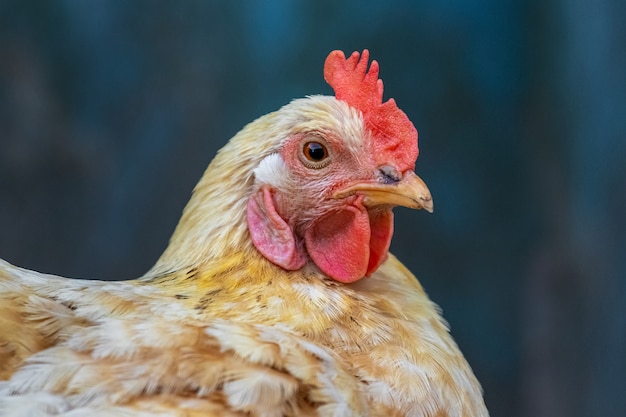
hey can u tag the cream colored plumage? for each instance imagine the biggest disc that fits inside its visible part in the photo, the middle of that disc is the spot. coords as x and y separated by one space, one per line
217 329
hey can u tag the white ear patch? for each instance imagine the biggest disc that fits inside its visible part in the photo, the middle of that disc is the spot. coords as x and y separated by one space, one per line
272 171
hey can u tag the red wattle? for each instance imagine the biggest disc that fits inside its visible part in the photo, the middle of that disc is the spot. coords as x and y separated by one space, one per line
347 244
351 243
338 243
381 225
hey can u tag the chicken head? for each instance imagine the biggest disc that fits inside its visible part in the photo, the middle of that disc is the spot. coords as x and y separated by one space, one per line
344 163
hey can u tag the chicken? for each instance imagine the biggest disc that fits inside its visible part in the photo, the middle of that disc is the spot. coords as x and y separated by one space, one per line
275 297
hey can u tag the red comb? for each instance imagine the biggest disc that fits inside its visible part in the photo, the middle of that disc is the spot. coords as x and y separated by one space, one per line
395 137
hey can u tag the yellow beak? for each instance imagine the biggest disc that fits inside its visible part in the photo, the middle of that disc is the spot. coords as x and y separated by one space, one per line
409 192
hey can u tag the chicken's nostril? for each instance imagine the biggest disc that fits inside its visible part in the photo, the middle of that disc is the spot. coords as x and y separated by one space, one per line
389 174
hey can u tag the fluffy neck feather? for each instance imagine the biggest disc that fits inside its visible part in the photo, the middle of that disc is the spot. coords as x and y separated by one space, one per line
213 223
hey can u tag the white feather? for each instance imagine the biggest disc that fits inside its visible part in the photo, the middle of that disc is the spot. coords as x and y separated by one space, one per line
273 170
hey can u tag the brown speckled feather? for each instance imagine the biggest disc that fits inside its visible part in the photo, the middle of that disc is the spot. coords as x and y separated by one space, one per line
376 347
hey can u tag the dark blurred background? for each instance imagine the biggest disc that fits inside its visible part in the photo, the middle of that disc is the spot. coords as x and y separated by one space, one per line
111 110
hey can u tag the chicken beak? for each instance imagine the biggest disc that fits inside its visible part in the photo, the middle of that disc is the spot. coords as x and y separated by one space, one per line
409 192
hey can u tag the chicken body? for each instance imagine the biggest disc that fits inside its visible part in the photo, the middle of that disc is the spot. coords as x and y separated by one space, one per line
224 324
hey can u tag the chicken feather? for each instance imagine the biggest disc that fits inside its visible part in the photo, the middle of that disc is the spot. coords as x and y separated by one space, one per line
217 328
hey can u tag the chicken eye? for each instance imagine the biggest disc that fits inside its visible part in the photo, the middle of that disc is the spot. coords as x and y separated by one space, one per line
315 151
315 154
